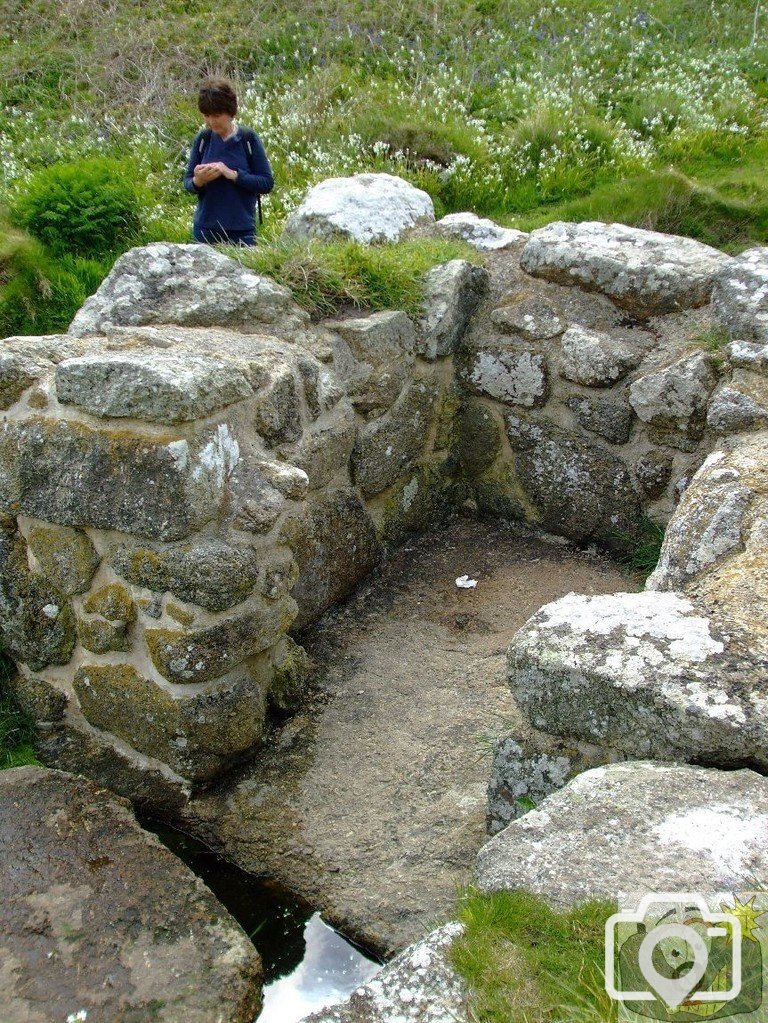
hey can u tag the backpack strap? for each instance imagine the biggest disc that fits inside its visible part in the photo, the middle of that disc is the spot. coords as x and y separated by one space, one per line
247 137
205 138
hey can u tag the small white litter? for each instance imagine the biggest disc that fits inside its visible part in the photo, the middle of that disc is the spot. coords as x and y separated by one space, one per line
465 583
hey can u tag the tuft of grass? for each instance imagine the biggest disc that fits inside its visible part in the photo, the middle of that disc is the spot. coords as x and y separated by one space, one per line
524 962
640 553
714 339
326 277
17 728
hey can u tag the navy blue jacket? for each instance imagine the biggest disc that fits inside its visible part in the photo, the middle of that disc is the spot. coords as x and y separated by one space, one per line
229 205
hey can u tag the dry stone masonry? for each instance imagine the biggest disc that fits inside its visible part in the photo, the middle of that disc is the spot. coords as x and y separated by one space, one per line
194 470
197 471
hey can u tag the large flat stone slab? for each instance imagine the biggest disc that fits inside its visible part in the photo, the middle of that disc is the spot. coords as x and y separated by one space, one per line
644 272
635 828
98 918
161 387
648 674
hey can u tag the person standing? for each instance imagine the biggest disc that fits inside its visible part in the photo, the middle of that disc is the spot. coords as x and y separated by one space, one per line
227 170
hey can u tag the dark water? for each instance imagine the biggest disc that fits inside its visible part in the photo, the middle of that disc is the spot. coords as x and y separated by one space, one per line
307 964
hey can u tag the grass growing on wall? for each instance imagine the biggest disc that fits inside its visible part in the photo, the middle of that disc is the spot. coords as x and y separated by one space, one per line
326 277
523 110
523 962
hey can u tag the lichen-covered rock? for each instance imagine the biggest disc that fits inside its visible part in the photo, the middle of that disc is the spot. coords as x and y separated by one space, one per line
653 471
717 514
477 436
627 829
740 296
212 573
109 614
606 417
277 411
36 695
530 316
37 623
418 986
289 480
674 400
740 405
372 356
480 232
188 285
644 272
581 490
325 450
599 359
160 387
451 294
525 772
512 376
423 497
388 447
367 208
17 373
197 731
66 556
75 746
160 486
290 681
647 674
201 654
334 542
85 885
745 355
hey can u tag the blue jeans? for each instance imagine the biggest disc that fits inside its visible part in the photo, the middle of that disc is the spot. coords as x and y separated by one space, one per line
220 236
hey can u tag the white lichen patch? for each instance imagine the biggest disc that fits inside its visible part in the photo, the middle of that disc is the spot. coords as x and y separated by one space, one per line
728 835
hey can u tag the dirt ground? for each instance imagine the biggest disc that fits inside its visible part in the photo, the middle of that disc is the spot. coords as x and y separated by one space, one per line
371 802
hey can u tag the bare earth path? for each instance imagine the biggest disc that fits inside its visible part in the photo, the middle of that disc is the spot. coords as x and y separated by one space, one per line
371 803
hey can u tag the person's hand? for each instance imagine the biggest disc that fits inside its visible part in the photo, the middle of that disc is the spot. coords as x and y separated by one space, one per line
205 172
224 171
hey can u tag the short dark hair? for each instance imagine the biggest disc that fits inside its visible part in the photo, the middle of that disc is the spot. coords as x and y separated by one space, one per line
217 97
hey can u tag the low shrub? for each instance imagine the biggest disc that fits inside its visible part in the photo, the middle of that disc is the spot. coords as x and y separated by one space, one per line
40 294
89 207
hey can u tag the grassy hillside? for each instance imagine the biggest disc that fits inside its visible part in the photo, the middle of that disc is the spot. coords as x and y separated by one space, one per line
654 114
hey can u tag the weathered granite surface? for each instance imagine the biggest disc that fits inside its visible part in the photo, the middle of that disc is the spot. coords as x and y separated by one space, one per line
635 828
98 918
644 272
648 674
417 986
365 207
190 285
740 296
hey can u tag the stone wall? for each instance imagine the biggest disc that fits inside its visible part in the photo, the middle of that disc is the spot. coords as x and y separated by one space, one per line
597 379
196 471
176 499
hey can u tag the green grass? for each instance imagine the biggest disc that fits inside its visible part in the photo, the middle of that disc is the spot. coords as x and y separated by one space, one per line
17 729
641 553
524 963
524 110
327 277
